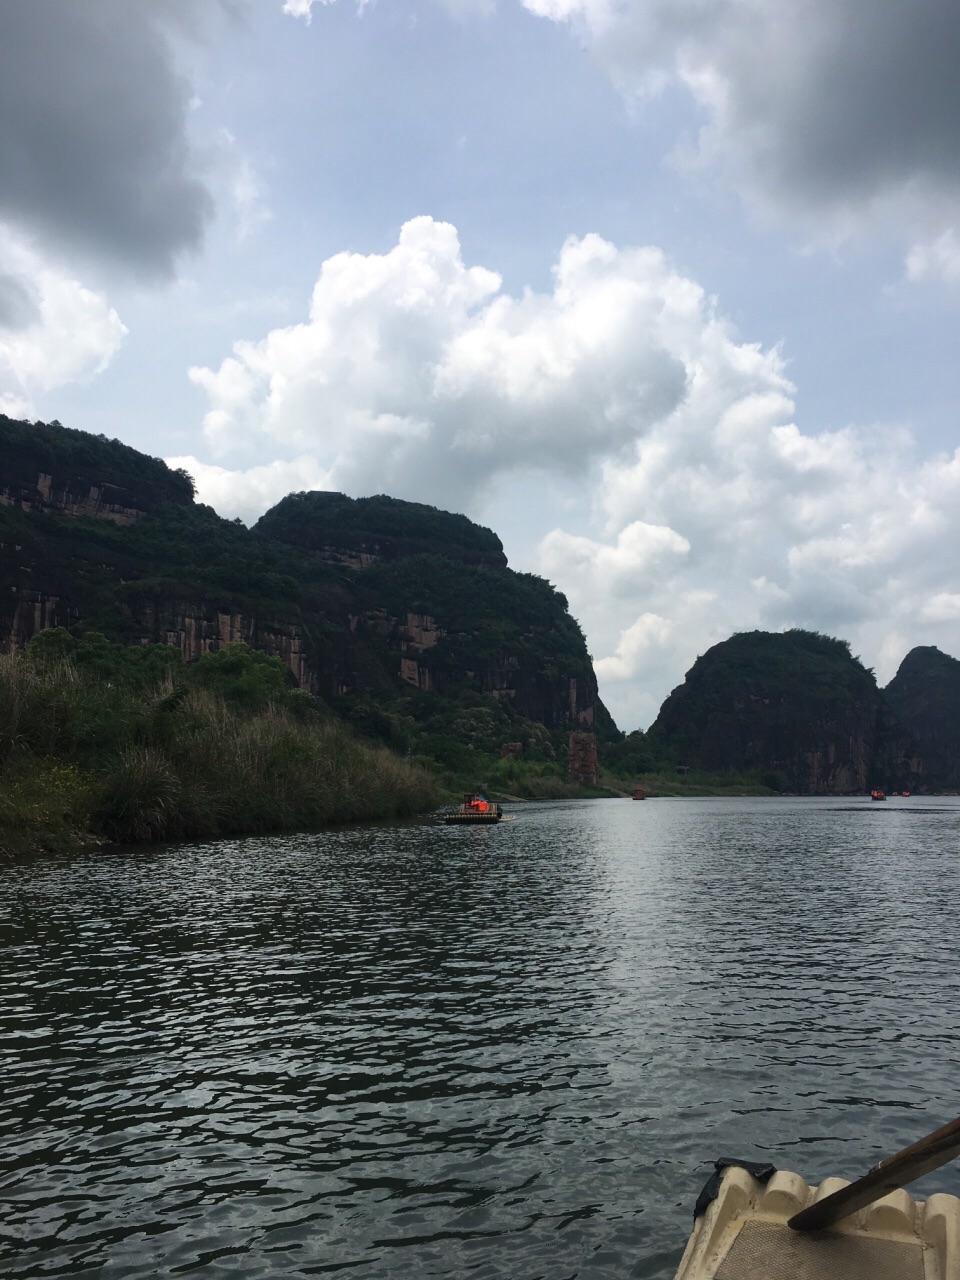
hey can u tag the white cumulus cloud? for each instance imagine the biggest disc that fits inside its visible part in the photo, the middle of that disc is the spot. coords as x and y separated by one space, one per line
245 495
845 532
702 506
53 329
413 365
628 567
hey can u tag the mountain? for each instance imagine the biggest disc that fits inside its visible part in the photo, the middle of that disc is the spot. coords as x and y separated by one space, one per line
795 708
925 696
404 618
361 531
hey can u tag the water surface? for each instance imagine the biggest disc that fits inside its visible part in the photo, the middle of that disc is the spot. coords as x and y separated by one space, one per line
425 1051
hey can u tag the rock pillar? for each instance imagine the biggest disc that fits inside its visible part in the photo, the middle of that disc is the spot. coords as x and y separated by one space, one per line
582 756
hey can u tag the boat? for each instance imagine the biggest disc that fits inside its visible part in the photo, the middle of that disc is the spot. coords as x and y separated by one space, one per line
755 1222
475 810
639 793
878 795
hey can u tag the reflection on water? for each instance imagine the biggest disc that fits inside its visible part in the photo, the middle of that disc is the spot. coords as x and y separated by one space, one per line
418 1050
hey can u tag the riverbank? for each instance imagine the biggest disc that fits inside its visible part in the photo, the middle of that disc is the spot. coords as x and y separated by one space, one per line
696 783
107 744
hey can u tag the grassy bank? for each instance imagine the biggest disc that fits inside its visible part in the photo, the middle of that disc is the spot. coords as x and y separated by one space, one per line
698 782
524 779
99 742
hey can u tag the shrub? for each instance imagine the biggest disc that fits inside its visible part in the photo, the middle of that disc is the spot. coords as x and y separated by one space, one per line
81 753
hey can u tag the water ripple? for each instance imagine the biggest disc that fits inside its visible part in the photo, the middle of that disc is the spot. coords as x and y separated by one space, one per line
411 1049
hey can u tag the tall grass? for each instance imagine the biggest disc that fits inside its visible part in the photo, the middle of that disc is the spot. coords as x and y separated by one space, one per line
532 779
84 757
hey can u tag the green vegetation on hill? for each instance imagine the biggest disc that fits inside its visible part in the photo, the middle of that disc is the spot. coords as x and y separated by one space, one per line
491 619
435 649
105 741
319 520
500 669
925 697
77 456
486 614
794 708
174 554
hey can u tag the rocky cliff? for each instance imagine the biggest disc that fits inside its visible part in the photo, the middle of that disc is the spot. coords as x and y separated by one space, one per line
794 706
925 697
47 467
406 619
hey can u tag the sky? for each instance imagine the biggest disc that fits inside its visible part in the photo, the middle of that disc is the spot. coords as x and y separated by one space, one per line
665 292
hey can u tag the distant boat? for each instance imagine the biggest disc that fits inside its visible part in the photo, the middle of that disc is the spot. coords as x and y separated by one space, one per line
475 810
639 793
878 795
905 794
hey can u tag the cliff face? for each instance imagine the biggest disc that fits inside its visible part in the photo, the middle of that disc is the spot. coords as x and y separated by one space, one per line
794 705
46 467
193 626
198 627
72 496
25 611
417 615
462 630
925 697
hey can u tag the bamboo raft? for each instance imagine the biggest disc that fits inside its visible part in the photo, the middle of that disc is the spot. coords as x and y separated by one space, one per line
476 810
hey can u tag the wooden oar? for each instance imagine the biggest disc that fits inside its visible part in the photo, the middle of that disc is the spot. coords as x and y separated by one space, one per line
896 1171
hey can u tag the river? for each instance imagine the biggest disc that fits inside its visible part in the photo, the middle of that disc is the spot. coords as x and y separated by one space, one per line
419 1051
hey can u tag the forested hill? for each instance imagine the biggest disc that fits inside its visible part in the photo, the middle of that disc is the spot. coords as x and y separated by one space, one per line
794 707
406 621
361 531
403 618
45 465
925 695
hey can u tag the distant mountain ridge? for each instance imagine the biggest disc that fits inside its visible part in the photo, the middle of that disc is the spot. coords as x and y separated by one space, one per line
407 620
796 709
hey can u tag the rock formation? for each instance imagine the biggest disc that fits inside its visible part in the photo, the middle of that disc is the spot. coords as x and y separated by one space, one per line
925 697
795 706
582 763
405 618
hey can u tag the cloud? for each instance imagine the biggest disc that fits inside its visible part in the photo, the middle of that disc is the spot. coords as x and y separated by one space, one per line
646 640
302 8
245 495
53 330
94 149
414 363
19 304
942 607
937 259
625 569
243 187
845 532
709 508
825 111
